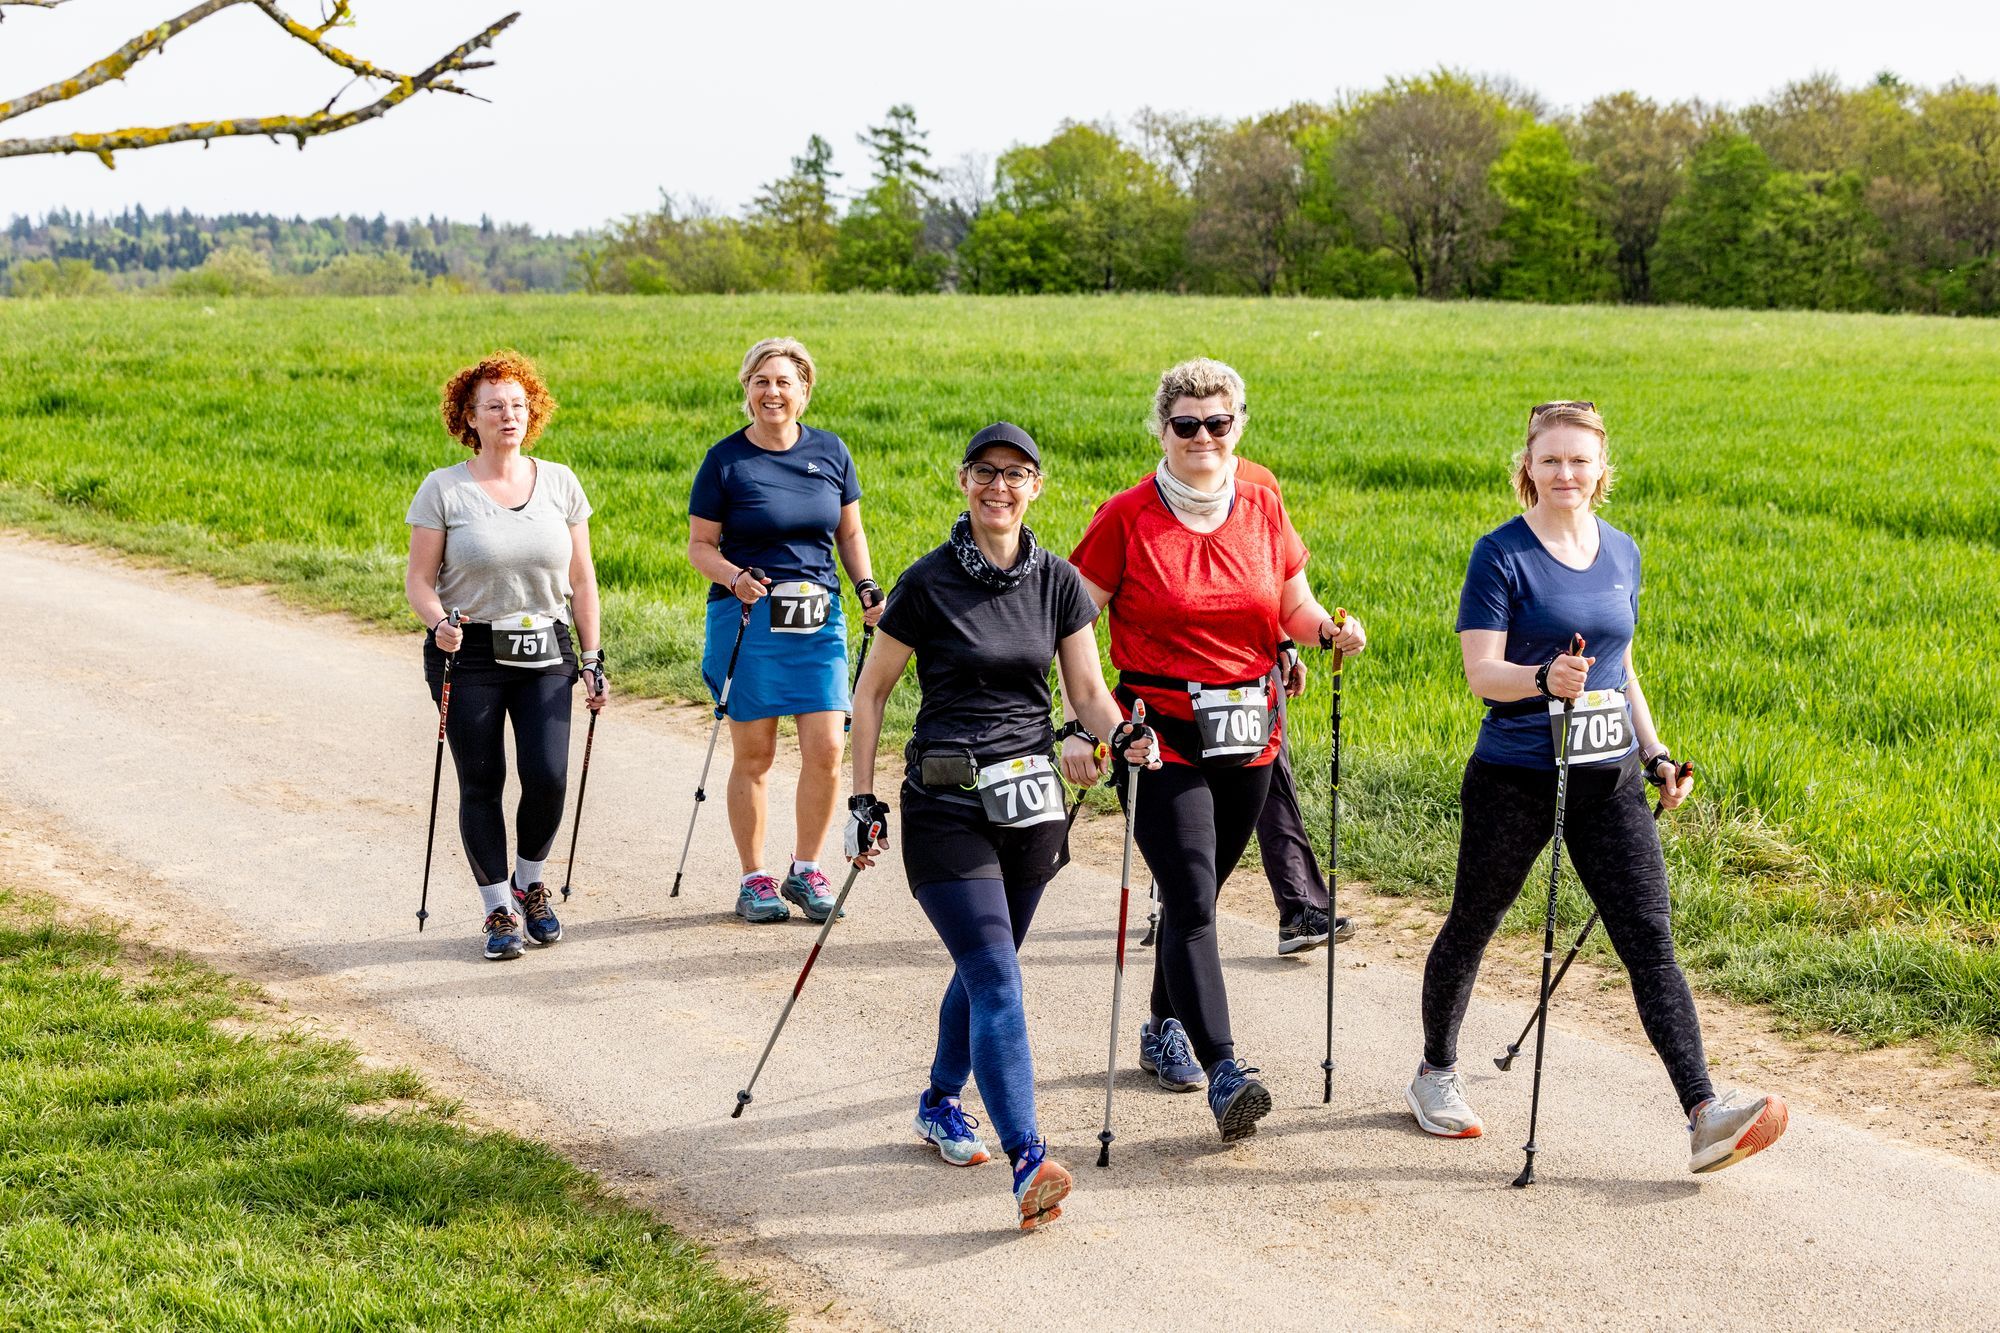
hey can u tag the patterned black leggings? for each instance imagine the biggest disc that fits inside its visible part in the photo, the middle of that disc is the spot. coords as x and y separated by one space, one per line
1609 836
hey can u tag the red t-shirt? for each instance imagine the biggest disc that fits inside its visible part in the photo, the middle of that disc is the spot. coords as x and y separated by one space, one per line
1200 606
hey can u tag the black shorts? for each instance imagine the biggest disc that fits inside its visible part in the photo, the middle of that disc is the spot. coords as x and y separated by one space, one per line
946 839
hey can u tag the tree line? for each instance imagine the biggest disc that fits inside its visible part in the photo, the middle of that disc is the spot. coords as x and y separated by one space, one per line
1881 197
257 254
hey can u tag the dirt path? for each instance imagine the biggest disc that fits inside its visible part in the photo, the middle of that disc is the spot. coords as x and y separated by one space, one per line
250 782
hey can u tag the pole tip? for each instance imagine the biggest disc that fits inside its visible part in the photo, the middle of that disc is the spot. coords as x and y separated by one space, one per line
1104 1148
742 1100
422 916
565 893
1503 1063
1527 1176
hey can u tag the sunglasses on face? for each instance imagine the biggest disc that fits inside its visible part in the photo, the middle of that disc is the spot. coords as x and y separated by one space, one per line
1188 427
1016 477
1540 408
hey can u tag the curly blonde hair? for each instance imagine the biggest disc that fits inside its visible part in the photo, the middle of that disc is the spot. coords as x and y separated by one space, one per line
1199 378
503 365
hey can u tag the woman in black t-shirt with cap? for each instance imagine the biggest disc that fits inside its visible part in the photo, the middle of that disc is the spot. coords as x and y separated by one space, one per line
983 828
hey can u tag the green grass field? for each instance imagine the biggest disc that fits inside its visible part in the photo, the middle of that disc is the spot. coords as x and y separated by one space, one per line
1816 497
165 1172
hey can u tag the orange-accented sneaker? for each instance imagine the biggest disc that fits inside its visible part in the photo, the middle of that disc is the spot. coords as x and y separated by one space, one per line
1732 1127
1040 1186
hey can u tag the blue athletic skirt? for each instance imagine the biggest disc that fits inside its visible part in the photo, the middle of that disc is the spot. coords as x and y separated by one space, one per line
777 674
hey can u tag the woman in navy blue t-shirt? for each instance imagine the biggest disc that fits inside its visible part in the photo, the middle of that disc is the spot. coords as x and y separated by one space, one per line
1555 572
781 497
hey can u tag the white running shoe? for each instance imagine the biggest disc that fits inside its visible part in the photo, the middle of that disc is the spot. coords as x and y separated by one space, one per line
1437 1098
1732 1127
950 1129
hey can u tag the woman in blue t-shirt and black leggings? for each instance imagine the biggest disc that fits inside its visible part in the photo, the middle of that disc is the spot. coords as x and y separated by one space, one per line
983 827
1555 572
781 497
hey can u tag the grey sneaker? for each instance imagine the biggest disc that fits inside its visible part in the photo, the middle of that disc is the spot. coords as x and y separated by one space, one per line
1732 1127
950 1129
1437 1098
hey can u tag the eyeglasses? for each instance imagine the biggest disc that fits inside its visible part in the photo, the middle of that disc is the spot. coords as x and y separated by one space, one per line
1188 427
1016 477
1540 408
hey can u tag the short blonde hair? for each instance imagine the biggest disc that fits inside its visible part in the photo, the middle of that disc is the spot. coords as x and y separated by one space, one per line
1548 419
766 349
1199 378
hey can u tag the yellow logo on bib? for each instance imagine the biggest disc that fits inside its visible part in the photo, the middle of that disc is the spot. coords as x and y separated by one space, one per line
1020 764
1235 696
527 622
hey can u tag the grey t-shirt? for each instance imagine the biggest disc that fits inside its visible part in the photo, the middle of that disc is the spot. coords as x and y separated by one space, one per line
499 562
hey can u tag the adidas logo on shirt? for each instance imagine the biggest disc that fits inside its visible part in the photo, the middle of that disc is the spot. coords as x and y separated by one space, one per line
812 467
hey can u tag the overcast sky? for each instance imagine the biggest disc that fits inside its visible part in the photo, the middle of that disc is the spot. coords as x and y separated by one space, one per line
599 104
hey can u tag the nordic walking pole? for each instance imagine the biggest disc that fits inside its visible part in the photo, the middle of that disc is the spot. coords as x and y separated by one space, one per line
1152 916
1506 1061
721 710
1104 1136
437 775
826 928
1332 854
869 597
582 785
1527 1176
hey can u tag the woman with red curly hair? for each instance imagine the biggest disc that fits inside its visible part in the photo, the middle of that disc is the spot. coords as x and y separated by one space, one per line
504 540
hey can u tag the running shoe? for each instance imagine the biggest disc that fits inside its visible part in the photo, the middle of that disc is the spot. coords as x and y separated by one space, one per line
1437 1099
543 928
1308 930
1238 1100
947 1126
503 935
1727 1129
757 901
1040 1186
1167 1056
811 892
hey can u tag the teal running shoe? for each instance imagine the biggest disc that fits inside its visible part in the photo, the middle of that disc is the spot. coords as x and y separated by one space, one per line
947 1126
810 890
757 901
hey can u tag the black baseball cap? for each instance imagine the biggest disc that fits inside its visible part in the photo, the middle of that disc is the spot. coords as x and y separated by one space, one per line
1004 432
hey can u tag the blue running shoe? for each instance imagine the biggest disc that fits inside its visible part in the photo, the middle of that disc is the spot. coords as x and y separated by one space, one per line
757 901
543 928
503 935
948 1126
1238 1100
1040 1186
1168 1057
811 892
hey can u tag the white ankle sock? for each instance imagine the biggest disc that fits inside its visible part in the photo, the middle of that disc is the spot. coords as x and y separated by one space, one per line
753 874
497 896
527 872
802 867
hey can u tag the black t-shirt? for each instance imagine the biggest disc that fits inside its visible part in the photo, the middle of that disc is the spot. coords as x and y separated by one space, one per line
983 654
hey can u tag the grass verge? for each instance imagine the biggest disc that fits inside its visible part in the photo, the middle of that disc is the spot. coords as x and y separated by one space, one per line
161 1172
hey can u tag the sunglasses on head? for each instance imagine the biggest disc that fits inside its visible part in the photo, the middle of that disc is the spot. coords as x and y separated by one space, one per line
1540 408
1188 427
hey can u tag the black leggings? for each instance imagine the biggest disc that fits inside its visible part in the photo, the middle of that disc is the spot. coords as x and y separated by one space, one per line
1508 816
539 706
1192 826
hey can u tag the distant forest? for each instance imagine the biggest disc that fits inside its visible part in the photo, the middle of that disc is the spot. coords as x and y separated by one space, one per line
1883 197
255 254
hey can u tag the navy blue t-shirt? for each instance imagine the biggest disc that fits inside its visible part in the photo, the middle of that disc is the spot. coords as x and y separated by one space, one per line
1512 583
778 509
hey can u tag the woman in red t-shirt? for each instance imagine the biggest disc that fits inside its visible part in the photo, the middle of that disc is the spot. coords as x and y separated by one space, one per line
1204 576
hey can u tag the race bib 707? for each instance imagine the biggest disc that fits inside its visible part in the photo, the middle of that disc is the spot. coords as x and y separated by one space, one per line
1019 792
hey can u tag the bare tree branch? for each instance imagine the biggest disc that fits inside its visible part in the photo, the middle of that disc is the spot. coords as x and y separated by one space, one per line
33 4
117 64
312 125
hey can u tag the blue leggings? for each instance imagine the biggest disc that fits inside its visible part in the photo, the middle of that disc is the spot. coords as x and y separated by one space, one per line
982 1027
